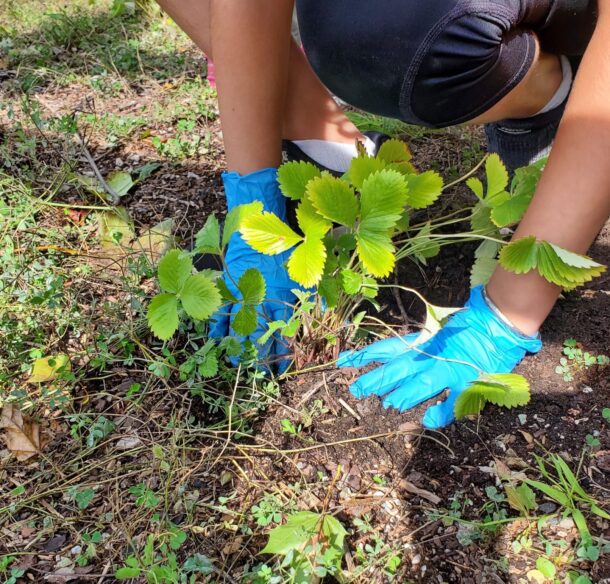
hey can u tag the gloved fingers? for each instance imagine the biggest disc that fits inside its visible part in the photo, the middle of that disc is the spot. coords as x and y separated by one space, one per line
443 414
390 376
421 386
218 327
379 352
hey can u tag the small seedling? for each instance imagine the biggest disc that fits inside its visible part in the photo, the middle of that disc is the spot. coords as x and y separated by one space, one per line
577 360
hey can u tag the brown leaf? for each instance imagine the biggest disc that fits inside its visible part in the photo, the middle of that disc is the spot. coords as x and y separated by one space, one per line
528 437
411 488
22 435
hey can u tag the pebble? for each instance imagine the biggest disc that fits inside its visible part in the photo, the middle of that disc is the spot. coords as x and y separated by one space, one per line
547 507
76 550
587 389
119 163
416 559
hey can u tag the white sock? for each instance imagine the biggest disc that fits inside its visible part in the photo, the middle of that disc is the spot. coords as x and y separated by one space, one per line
564 88
336 156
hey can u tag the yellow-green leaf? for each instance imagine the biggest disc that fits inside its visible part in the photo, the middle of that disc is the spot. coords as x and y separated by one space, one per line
48 368
267 233
334 199
306 263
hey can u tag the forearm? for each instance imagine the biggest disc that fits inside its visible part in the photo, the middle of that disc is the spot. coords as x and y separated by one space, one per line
573 198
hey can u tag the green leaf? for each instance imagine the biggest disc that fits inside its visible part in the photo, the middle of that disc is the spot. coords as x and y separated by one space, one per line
207 239
362 167
599 511
476 186
163 316
225 293
511 211
520 256
235 217
200 297
245 321
583 528
376 252
328 289
334 199
306 263
294 176
294 535
482 270
424 247
551 492
497 176
351 282
577 268
120 182
382 199
546 567
267 233
480 220
394 152
127 573
174 269
252 287
209 366
424 189
502 389
272 328
311 223
521 498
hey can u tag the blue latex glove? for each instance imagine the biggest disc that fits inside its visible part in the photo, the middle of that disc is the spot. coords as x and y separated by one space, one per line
409 377
257 186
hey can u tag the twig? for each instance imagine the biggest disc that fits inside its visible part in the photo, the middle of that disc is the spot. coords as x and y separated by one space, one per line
113 196
349 409
315 388
401 307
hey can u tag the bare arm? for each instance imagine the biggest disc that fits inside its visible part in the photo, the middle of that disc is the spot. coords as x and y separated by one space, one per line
572 202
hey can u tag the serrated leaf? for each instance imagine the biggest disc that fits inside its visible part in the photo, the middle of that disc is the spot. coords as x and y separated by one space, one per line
267 233
235 217
480 220
120 182
199 296
209 367
424 189
225 293
351 282
127 573
173 271
487 249
48 368
252 286
502 389
376 252
207 239
163 316
382 199
334 199
497 176
294 176
476 186
328 289
370 288
306 263
482 270
312 224
511 211
244 321
520 256
362 167
398 156
272 328
565 268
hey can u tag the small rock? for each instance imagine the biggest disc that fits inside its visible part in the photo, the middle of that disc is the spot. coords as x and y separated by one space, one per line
547 507
566 523
587 389
76 550
416 559
522 419
119 162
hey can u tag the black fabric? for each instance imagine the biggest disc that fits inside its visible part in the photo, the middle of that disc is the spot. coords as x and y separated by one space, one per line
435 63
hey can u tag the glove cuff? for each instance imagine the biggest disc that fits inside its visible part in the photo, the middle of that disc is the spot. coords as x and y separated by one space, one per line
479 301
260 185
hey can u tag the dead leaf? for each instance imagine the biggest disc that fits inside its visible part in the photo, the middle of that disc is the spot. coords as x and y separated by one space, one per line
156 241
55 543
128 442
411 488
528 437
22 436
47 368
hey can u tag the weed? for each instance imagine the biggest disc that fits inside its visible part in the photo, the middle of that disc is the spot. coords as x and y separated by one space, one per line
577 360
